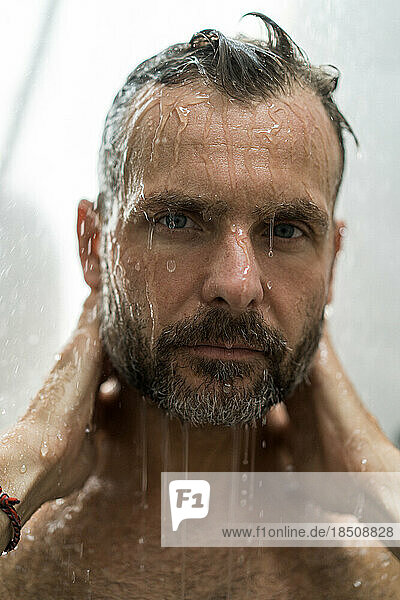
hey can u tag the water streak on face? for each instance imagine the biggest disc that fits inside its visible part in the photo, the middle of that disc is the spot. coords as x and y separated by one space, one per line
210 185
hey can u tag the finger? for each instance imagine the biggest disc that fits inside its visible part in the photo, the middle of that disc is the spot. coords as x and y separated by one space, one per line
109 390
277 420
274 434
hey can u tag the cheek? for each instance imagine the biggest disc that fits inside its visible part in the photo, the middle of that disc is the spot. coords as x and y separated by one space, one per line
296 296
163 281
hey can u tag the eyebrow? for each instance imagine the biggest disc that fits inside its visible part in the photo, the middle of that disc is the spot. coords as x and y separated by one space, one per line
174 201
299 209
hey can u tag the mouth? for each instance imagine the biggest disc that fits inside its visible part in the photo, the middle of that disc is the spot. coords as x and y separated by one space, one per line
223 352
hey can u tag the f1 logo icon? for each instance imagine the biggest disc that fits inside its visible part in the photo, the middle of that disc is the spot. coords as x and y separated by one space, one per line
189 499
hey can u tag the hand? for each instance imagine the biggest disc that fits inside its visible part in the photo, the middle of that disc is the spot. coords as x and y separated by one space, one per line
324 426
56 440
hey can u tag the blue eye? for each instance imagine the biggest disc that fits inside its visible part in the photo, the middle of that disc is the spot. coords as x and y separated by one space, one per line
174 220
287 231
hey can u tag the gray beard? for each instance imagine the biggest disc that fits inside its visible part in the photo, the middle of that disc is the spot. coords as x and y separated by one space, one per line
230 392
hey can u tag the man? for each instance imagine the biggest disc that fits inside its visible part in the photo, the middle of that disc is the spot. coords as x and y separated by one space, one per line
210 255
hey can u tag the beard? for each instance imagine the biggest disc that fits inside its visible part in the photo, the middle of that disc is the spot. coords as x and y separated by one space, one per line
204 391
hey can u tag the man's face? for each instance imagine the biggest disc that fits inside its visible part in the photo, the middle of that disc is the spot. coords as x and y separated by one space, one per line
216 273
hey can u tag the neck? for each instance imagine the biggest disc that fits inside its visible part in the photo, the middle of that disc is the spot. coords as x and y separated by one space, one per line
142 441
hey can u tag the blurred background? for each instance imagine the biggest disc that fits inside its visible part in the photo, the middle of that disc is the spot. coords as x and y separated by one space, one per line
62 62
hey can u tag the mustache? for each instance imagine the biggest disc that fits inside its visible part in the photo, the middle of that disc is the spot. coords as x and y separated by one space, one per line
216 325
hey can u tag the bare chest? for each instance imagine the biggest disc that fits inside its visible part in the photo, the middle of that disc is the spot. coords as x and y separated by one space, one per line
67 554
143 570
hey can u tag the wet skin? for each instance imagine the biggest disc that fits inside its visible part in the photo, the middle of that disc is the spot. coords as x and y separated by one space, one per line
249 192
226 155
240 159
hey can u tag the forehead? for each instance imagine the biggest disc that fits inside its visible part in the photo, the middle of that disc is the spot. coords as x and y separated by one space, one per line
194 139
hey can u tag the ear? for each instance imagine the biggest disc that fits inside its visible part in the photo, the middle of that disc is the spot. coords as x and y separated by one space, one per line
340 227
88 230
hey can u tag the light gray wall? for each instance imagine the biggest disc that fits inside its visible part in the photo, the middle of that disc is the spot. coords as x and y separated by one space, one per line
88 50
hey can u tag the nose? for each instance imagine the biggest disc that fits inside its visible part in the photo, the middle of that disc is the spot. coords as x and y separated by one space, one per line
233 276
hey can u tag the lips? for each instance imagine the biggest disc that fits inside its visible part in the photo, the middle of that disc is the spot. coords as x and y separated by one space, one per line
232 347
237 351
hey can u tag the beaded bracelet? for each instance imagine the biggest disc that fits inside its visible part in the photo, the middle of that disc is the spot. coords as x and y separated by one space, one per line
6 505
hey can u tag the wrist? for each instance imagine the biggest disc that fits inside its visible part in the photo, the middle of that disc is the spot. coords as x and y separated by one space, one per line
21 473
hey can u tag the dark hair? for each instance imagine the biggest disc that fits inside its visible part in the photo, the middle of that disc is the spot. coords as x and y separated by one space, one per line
241 68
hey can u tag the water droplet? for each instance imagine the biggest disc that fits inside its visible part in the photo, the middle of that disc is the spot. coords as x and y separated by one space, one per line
23 469
73 576
269 285
44 449
357 583
244 477
150 237
87 429
141 540
3 411
264 444
119 273
227 388
271 236
141 567
171 266
59 436
233 228
245 460
87 574
137 266
364 461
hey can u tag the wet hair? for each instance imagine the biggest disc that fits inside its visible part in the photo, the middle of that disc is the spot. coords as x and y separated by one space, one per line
241 68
